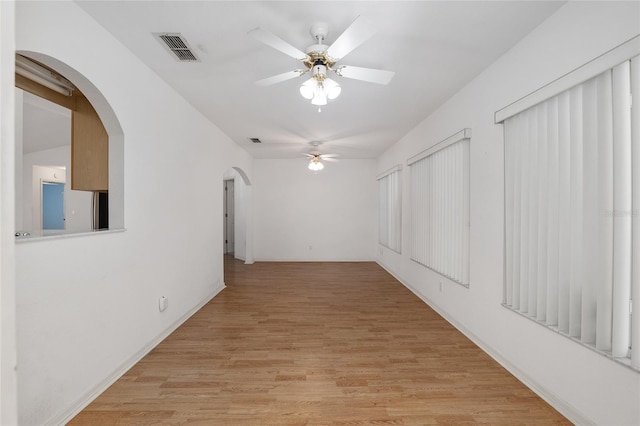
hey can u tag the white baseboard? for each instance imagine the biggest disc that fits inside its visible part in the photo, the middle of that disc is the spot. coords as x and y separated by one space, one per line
69 413
566 409
264 259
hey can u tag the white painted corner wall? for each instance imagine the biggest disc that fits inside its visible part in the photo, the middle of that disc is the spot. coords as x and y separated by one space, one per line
8 356
87 306
583 385
302 215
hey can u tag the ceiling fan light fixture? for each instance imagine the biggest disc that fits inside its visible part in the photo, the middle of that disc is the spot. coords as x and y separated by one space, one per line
319 88
315 165
331 88
307 89
320 97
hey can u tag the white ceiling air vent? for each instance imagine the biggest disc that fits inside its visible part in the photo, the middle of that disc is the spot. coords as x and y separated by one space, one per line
177 44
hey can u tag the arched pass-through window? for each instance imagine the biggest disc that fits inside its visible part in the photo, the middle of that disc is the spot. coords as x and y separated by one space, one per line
94 157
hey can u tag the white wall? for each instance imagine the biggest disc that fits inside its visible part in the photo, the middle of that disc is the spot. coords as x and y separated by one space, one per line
87 306
581 383
302 215
8 376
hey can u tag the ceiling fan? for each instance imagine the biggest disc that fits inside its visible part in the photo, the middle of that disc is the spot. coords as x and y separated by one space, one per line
316 158
320 58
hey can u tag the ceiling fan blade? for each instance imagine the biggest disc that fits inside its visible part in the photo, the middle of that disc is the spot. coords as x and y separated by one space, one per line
277 43
357 33
365 74
330 159
279 78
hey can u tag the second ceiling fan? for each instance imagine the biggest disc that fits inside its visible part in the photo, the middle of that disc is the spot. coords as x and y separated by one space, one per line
320 58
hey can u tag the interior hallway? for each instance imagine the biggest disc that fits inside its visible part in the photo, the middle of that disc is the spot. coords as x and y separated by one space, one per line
312 344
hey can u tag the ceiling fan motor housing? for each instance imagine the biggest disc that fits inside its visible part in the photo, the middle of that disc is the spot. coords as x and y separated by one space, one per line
317 52
317 55
316 48
319 70
319 31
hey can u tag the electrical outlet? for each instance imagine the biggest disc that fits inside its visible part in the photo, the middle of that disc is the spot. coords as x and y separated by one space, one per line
163 302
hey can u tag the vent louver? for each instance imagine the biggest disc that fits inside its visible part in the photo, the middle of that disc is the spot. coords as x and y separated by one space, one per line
177 44
255 140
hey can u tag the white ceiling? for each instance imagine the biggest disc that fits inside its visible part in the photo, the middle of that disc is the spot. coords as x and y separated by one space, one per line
46 125
434 47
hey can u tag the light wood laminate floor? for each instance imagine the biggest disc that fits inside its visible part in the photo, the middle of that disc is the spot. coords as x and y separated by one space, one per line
316 344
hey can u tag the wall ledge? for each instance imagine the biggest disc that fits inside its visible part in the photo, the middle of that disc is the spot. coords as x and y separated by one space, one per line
34 237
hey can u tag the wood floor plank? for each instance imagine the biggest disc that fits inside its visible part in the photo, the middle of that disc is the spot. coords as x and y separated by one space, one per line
316 344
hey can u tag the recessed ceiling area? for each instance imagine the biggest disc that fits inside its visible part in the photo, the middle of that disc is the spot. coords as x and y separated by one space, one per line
434 48
45 124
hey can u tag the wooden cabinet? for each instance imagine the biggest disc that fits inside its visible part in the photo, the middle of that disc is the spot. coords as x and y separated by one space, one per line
89 148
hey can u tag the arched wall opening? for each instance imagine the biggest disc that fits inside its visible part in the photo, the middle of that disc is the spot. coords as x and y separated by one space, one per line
242 211
112 127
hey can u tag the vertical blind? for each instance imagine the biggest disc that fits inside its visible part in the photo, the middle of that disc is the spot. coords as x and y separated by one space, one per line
572 198
390 210
440 209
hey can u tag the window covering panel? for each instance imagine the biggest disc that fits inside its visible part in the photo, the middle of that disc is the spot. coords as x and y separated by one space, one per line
390 209
440 210
572 197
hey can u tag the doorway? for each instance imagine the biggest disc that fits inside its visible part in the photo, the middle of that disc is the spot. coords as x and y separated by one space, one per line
52 205
229 216
237 226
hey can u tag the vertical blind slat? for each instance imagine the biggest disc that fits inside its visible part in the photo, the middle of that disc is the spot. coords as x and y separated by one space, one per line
575 283
533 212
605 205
543 222
621 209
517 191
507 295
459 224
564 201
553 214
635 155
590 212
466 210
524 211
440 203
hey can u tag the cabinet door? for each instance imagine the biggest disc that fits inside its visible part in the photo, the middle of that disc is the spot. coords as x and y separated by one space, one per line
89 149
